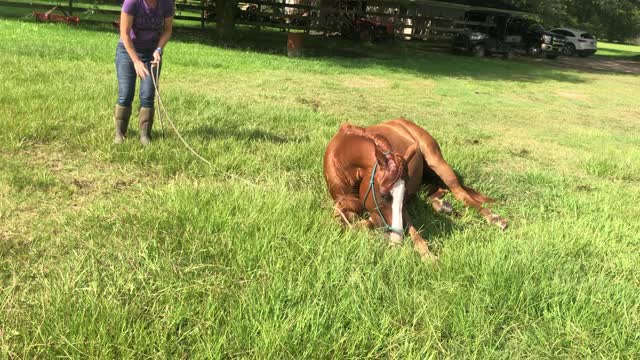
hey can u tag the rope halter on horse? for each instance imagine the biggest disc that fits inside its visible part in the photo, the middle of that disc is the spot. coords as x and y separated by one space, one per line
372 190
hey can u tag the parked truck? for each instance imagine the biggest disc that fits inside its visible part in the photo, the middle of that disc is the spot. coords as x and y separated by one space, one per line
489 32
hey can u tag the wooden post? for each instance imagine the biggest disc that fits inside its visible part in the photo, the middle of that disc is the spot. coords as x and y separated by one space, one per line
259 18
283 21
202 12
308 22
70 7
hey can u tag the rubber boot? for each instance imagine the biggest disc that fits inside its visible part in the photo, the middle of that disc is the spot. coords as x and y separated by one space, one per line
146 123
121 117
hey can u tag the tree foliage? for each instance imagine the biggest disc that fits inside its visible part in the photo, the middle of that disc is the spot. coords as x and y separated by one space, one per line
609 19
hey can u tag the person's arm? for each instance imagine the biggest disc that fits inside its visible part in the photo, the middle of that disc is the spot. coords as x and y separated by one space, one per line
126 23
164 38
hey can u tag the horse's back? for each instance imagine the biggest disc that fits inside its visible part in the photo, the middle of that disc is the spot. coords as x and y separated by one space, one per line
401 133
403 127
337 144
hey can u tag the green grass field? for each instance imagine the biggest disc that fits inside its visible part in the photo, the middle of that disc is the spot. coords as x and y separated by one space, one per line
123 252
619 50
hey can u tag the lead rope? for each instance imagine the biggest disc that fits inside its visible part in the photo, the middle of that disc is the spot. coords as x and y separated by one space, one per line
155 85
157 79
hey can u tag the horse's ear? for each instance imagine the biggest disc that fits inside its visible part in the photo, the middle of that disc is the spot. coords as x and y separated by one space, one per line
382 159
409 154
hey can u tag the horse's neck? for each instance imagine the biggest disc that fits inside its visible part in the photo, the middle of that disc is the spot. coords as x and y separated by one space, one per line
361 155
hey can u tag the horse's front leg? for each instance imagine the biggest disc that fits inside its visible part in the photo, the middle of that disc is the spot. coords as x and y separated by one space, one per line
347 210
419 243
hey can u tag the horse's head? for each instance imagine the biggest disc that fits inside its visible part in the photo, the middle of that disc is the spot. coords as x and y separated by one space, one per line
392 178
392 167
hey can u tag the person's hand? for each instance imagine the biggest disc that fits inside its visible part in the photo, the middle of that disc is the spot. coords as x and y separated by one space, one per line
141 70
157 57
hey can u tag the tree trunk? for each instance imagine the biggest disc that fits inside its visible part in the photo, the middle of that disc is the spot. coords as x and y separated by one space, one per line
226 18
326 8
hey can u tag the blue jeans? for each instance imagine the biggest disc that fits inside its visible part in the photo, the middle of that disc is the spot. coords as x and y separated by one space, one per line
127 77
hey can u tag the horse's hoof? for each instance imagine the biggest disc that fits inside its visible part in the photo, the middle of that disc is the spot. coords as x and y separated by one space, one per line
442 207
394 242
447 208
429 258
500 222
425 254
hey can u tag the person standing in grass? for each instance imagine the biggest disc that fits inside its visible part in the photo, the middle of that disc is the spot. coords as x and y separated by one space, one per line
145 29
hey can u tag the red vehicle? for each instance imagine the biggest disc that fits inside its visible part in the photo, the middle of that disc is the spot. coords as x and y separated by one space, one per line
369 30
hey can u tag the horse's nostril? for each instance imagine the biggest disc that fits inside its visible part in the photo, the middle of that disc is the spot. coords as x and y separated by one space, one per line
385 195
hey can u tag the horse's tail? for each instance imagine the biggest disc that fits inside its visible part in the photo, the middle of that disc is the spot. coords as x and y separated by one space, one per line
478 196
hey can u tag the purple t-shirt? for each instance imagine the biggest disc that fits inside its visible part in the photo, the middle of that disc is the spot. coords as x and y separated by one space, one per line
147 22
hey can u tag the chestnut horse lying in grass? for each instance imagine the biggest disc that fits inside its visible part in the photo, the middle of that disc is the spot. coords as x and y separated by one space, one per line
377 169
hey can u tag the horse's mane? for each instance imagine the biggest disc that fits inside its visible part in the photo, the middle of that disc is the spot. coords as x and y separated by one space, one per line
380 141
395 163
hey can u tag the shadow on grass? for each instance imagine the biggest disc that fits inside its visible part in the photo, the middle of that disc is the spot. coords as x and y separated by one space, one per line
437 227
434 227
620 52
414 58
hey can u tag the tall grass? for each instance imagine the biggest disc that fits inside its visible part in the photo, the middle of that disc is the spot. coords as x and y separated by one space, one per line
118 251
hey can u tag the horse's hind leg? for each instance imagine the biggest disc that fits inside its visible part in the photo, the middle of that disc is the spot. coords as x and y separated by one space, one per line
436 163
467 195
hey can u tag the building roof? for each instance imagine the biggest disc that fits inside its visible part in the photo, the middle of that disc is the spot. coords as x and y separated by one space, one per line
465 5
494 4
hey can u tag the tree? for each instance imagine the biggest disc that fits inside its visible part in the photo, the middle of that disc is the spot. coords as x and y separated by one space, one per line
609 19
226 18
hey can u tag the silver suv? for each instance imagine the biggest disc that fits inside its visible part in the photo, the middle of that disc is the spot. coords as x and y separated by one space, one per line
577 42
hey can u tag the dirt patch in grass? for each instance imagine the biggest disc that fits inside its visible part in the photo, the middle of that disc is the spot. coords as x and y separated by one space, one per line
75 183
599 64
573 95
585 188
367 82
520 153
314 104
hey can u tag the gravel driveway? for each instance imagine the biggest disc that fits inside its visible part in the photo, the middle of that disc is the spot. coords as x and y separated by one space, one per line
593 63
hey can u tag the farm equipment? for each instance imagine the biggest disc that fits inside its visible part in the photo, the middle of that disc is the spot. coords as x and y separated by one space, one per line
350 19
49 16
